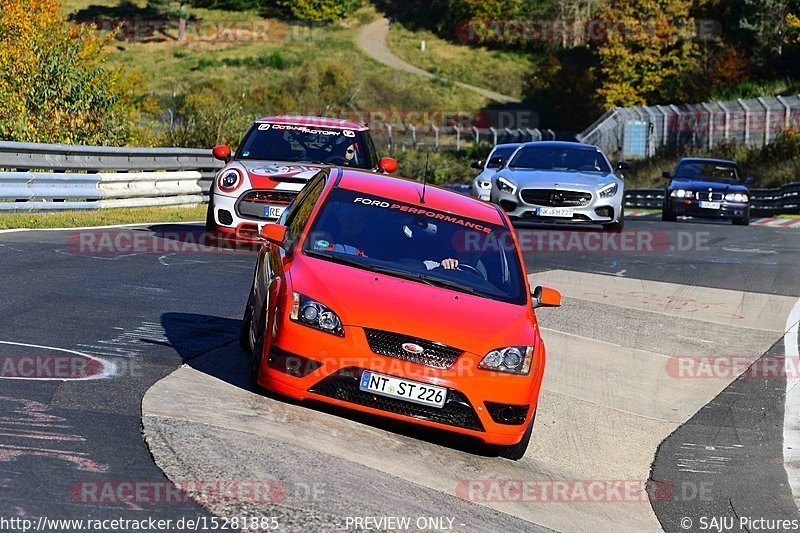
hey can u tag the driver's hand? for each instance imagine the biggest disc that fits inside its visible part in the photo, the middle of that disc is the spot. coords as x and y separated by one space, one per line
450 264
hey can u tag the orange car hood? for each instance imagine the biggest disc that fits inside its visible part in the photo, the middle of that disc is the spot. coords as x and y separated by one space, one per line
367 299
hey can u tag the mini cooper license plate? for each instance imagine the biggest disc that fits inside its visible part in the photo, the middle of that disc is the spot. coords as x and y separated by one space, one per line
554 212
412 391
711 205
273 211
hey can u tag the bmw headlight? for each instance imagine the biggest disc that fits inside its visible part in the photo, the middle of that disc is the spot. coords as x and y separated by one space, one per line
311 313
608 191
506 186
680 193
737 197
512 360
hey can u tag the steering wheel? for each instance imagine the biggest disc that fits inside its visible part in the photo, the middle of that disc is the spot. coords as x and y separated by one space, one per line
471 269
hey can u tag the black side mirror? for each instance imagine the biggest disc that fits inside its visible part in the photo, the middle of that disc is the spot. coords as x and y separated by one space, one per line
751 180
496 160
622 165
666 175
477 165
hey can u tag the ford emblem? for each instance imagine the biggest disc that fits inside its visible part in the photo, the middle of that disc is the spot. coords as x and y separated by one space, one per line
414 349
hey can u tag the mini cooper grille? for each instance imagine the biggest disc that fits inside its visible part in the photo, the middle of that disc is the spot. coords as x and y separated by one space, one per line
343 385
252 204
555 197
391 345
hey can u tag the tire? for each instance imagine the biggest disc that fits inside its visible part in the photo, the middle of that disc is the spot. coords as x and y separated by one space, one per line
257 356
741 221
244 330
515 452
667 215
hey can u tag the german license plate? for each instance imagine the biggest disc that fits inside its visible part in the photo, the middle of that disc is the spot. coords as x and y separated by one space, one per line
710 205
411 391
554 212
273 211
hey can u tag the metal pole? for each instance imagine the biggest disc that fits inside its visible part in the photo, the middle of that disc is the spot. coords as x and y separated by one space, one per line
389 130
710 111
766 119
787 119
436 132
746 121
494 134
477 134
413 135
458 138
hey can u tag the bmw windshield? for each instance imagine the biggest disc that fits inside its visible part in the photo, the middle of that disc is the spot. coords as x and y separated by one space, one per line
708 171
560 159
417 243
308 144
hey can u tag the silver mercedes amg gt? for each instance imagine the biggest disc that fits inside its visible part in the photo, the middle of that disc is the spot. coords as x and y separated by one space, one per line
561 182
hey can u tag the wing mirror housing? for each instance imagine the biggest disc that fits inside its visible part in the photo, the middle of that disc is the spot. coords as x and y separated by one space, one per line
623 165
222 152
666 175
273 233
477 165
751 180
388 165
497 160
546 297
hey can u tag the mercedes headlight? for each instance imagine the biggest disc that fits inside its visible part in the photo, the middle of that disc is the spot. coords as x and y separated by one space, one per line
608 191
512 360
484 184
736 197
311 313
506 186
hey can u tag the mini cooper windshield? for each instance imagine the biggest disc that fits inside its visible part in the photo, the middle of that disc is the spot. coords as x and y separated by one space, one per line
417 243
560 159
308 144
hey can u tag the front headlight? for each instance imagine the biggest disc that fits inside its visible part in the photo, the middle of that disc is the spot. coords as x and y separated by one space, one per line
680 193
512 360
313 314
230 180
608 191
506 186
736 197
484 184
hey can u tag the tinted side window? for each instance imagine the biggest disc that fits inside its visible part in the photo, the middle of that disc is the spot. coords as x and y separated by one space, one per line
302 207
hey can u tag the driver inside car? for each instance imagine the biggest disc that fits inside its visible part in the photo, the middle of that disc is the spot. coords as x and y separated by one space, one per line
351 230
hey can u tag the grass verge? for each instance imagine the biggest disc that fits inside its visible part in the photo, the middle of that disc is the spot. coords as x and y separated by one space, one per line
104 217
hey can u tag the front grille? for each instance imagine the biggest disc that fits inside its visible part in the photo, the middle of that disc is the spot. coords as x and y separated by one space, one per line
710 196
251 204
555 197
391 345
343 385
225 217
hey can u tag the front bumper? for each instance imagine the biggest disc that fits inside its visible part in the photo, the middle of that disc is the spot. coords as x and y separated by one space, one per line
339 362
230 224
727 210
596 211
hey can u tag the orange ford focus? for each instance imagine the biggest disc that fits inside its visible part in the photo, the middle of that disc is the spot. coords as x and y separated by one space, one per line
385 296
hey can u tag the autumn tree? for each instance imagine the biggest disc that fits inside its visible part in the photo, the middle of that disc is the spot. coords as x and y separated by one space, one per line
55 85
646 49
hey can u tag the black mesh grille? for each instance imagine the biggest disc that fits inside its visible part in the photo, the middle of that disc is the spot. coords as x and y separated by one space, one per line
343 385
391 345
225 217
555 197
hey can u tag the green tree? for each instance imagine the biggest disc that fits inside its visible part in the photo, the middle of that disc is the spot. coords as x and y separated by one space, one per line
647 50
55 85
323 11
764 26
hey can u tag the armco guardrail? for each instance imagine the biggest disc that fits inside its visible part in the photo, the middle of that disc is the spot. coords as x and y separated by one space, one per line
777 201
43 177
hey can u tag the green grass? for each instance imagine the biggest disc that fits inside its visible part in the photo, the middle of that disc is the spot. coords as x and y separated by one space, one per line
500 71
104 217
169 67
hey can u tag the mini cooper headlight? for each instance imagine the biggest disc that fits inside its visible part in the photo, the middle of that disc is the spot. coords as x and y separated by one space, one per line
506 186
512 360
229 180
313 314
608 191
736 197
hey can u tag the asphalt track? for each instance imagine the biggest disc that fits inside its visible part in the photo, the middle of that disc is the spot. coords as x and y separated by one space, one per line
166 320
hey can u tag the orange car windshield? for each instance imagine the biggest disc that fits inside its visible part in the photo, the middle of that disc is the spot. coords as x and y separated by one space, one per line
418 243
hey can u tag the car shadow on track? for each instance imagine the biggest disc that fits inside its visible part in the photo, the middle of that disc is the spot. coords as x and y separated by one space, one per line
210 345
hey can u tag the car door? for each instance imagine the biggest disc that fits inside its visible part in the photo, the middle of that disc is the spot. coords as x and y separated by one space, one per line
270 268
